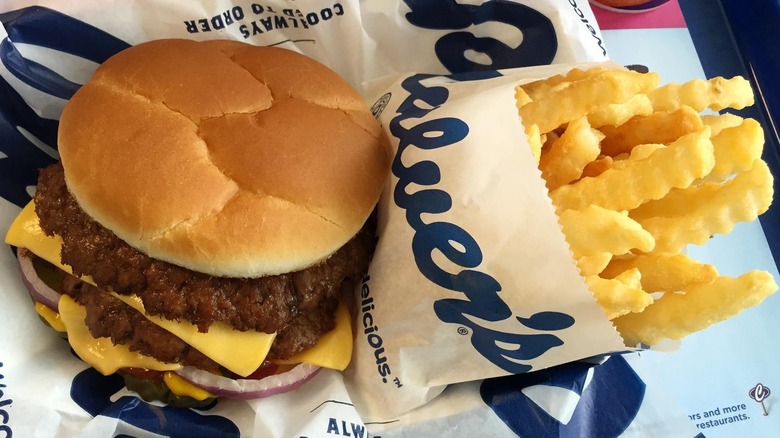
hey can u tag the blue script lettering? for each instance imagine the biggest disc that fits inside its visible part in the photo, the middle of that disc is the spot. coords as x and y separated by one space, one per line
5 403
538 46
481 291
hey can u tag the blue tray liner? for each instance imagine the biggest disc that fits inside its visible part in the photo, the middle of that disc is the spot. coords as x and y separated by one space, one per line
43 27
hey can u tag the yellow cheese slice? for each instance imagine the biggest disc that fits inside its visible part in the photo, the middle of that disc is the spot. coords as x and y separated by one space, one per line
181 387
26 232
221 343
333 350
101 353
51 317
240 352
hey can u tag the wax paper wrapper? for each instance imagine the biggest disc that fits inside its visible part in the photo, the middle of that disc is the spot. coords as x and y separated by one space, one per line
579 399
48 49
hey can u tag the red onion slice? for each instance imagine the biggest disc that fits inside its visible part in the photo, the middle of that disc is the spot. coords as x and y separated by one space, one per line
249 388
39 290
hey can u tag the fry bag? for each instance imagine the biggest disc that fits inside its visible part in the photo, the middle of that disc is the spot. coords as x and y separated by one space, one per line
472 277
634 173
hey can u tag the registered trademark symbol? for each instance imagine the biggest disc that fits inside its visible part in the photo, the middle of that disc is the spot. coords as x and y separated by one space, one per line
380 105
463 331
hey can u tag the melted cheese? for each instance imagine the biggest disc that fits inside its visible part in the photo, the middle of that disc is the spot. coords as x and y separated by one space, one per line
221 342
51 317
334 349
26 232
181 387
101 353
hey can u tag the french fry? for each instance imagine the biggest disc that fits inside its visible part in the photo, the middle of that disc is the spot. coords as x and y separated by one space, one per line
715 94
660 127
736 149
691 216
535 141
663 272
597 166
549 138
719 122
685 160
579 98
596 229
566 157
639 152
539 89
620 295
616 114
593 264
521 97
674 316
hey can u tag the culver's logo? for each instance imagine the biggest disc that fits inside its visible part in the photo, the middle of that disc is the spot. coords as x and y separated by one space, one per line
482 302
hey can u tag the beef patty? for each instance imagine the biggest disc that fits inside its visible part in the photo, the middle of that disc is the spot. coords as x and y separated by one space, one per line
298 306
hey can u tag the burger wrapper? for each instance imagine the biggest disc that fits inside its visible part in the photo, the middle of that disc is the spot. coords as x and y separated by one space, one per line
472 279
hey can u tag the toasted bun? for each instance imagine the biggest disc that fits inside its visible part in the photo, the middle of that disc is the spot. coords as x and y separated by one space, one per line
224 158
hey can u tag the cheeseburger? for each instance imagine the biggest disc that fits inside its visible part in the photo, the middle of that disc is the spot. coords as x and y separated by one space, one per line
211 200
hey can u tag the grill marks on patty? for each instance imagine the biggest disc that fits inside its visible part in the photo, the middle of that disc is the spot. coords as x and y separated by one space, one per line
298 306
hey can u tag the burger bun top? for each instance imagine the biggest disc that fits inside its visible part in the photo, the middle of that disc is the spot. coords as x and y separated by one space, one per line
222 157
